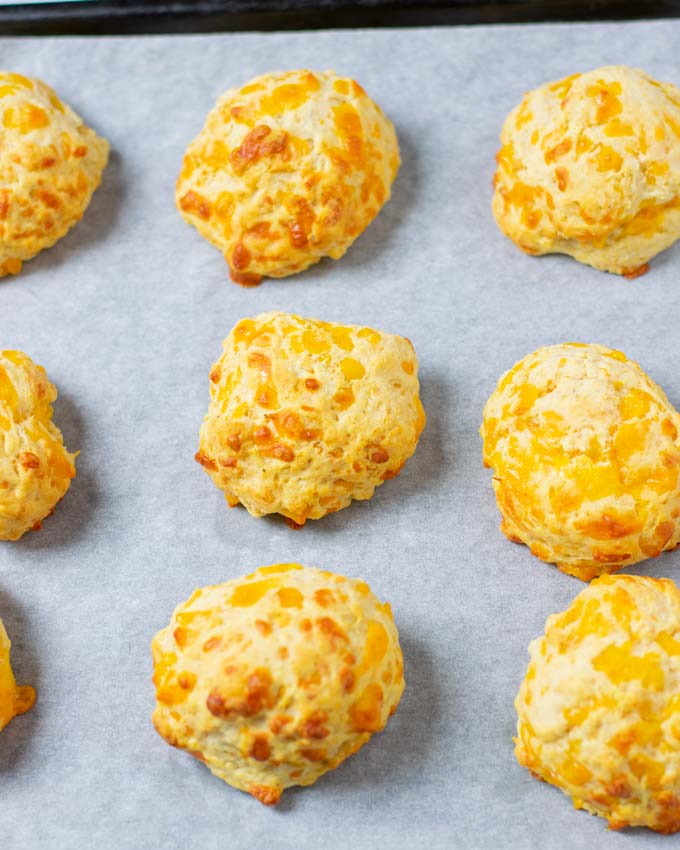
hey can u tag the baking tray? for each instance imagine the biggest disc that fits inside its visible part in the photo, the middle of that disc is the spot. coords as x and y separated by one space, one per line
182 16
127 314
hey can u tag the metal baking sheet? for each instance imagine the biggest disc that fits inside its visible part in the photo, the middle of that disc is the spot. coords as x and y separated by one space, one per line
127 314
109 17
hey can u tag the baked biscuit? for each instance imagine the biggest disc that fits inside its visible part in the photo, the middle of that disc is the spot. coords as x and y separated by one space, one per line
35 467
590 166
14 700
598 712
585 453
275 678
306 415
288 169
50 164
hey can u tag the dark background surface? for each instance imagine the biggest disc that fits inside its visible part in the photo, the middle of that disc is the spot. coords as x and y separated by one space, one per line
158 16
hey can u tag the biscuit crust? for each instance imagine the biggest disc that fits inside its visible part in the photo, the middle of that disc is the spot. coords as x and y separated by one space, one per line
274 678
590 166
14 699
288 169
35 467
598 712
585 453
307 415
50 165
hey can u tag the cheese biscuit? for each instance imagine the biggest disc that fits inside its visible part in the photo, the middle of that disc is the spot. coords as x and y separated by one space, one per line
598 712
35 467
306 415
590 166
14 699
50 165
275 678
288 169
585 453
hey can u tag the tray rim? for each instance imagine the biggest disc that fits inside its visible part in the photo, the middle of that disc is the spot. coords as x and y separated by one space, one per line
136 17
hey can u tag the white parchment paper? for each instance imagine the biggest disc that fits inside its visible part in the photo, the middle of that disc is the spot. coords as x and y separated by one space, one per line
127 314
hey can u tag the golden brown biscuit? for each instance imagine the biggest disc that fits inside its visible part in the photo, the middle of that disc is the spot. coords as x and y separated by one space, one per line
585 453
305 415
14 700
50 164
275 678
288 169
598 712
35 467
590 166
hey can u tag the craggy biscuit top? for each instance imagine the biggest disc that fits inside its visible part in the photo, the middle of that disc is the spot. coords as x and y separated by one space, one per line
288 169
307 415
585 453
590 166
599 708
14 700
275 678
50 164
35 467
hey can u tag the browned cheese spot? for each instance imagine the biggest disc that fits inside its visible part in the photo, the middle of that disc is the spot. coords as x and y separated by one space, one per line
258 143
205 461
315 725
379 455
260 749
257 696
195 204
266 795
29 461
263 627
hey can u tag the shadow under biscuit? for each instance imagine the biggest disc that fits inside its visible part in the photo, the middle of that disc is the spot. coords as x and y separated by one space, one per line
376 239
669 257
16 737
73 513
383 230
397 754
423 473
98 221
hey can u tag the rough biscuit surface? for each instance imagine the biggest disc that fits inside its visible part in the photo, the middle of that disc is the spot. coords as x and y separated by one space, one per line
306 415
590 166
585 453
50 164
35 467
14 699
599 708
288 169
275 678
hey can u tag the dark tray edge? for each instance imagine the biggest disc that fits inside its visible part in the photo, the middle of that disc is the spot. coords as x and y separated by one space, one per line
134 17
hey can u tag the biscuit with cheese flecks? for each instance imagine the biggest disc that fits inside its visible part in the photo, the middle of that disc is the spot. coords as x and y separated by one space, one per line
598 712
306 415
14 699
277 677
288 169
585 453
35 467
50 165
590 166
